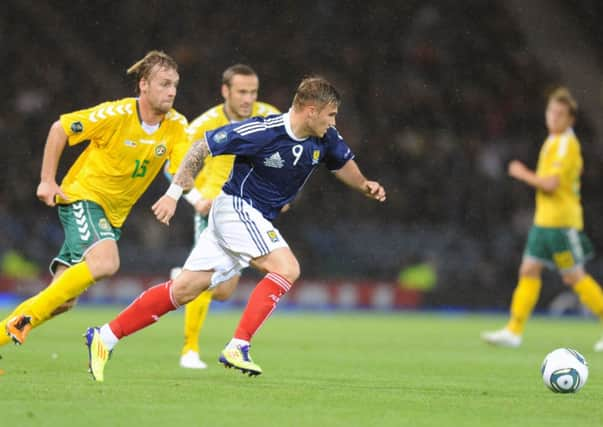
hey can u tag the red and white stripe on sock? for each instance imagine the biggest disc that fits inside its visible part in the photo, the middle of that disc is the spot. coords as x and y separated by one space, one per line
261 304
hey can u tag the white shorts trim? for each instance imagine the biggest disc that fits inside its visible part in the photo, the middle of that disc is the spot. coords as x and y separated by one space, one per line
236 234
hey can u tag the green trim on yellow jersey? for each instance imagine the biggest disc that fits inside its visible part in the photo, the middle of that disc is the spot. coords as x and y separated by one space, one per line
216 170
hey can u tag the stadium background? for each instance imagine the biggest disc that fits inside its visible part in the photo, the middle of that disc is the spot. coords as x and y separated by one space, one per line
437 99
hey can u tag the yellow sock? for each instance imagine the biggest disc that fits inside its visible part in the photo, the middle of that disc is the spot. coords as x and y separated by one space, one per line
70 284
195 313
524 299
590 294
4 338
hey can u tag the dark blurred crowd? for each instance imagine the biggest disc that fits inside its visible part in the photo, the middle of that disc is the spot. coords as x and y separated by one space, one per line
438 97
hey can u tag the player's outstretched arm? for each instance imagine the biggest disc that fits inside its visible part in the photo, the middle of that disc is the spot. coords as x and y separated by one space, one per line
191 165
521 172
184 179
194 197
48 188
351 175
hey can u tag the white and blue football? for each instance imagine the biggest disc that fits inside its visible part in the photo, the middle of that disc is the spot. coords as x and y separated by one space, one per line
564 370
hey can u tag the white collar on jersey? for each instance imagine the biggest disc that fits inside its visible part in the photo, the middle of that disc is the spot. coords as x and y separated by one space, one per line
567 133
150 129
287 120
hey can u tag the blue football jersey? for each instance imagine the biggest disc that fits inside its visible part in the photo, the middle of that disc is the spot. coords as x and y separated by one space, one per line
272 165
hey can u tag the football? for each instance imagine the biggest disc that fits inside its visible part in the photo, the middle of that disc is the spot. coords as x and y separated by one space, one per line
564 370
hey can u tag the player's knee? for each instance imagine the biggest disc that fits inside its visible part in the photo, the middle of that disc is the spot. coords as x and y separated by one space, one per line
529 269
107 267
567 281
113 266
281 262
221 294
291 271
183 293
572 277
189 285
103 263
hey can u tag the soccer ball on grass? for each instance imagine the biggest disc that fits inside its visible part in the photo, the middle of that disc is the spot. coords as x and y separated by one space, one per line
564 370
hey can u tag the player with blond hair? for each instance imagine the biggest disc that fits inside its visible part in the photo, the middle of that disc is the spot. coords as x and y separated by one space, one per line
240 85
129 141
275 156
556 239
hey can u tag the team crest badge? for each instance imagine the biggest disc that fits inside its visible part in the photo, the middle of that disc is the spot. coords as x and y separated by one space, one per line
564 260
103 224
220 137
160 150
272 235
315 157
77 127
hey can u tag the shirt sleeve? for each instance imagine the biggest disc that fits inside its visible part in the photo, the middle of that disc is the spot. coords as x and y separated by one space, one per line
264 109
242 139
179 150
91 123
338 153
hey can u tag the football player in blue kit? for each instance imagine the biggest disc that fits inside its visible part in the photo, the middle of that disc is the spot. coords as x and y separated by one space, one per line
275 156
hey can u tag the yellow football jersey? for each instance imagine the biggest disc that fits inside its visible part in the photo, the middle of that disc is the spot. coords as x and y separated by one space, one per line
121 159
216 170
560 155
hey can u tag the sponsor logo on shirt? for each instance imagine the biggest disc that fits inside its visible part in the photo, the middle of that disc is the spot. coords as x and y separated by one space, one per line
147 141
220 137
77 127
129 143
274 161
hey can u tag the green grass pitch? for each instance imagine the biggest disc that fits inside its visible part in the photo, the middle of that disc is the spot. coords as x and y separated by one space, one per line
324 370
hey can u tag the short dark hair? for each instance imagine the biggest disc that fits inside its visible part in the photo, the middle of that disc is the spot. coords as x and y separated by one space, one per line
142 68
564 96
316 89
237 69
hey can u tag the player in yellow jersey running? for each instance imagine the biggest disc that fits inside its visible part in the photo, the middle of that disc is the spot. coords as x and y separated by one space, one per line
556 239
240 86
130 139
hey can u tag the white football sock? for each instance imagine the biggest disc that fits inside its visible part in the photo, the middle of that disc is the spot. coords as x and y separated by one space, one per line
108 337
236 342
